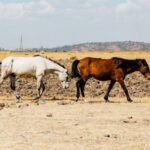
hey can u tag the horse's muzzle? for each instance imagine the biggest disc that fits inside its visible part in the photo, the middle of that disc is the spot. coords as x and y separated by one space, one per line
65 85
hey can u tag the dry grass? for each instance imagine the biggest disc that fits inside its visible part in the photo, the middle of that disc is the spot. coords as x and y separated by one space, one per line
79 55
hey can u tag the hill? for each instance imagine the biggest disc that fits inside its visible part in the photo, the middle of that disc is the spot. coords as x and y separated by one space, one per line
104 46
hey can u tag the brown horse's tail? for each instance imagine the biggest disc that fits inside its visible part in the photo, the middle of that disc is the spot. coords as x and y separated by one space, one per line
74 69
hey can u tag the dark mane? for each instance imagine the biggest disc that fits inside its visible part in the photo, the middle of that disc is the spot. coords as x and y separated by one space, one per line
131 64
56 62
118 58
50 60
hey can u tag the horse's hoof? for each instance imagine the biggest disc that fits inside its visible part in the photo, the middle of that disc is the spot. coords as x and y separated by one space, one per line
77 100
36 98
130 100
18 97
18 100
106 99
34 101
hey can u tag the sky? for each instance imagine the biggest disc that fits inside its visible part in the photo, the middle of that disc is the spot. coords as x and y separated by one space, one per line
52 23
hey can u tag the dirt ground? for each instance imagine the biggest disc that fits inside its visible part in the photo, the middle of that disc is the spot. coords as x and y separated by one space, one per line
67 125
60 123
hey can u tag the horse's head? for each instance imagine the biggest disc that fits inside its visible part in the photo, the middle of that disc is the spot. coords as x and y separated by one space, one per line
64 78
143 67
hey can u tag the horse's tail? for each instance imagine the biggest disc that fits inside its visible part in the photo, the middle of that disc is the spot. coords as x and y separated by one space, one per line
74 69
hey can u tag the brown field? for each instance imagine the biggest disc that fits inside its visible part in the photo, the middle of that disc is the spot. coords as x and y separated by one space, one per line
79 55
62 124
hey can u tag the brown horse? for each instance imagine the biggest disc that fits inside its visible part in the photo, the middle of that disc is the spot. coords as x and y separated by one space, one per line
114 69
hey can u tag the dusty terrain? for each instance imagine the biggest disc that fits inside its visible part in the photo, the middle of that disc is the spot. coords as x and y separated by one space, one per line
68 125
62 124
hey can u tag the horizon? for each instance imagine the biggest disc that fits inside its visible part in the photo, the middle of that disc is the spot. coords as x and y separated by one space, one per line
56 23
61 46
76 44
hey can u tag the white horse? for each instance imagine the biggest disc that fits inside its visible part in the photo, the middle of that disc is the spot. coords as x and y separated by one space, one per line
36 66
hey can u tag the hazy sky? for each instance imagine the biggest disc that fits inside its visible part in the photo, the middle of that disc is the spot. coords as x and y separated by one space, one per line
51 23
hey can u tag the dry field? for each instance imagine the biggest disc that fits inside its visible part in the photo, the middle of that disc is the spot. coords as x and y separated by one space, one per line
62 124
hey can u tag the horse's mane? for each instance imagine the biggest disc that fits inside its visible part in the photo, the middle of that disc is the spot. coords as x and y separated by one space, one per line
118 58
127 60
50 60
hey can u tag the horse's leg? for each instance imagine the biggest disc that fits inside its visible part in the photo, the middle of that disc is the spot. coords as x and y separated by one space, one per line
82 86
42 88
121 82
39 86
3 77
1 80
78 90
13 87
112 82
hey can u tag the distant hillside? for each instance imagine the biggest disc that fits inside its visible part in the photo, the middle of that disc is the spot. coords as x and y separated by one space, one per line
104 46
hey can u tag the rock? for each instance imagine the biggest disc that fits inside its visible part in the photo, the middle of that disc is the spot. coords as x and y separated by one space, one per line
2 104
22 105
62 103
107 135
130 117
125 121
49 115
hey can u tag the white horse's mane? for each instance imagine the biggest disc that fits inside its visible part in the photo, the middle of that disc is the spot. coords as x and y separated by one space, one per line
50 60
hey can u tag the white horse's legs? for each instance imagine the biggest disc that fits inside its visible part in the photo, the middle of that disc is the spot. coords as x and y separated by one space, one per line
13 87
40 87
12 84
3 77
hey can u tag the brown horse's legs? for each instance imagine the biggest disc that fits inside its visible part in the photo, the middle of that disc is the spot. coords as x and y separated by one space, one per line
109 89
125 90
82 85
78 90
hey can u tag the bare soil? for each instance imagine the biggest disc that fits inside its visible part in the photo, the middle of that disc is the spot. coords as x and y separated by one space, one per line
67 125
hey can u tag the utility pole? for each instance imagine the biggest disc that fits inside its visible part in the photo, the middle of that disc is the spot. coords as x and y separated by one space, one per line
21 44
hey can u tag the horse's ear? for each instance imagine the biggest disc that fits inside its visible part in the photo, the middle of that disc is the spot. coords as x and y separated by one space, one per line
141 61
144 62
118 62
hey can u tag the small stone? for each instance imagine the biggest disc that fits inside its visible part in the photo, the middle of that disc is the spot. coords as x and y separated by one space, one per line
125 121
49 115
107 135
76 124
114 136
2 105
62 103
130 117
